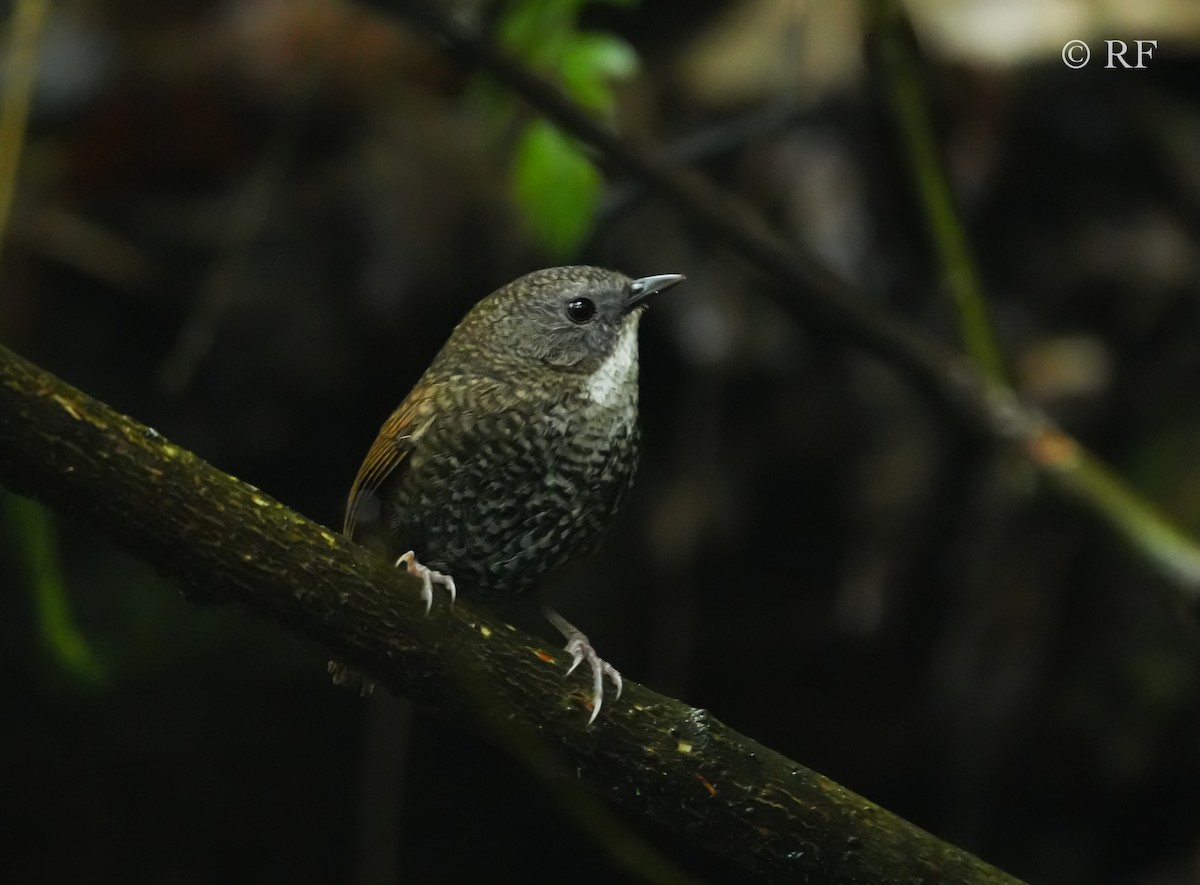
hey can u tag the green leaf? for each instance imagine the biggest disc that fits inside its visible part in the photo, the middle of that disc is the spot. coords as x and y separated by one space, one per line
557 188
544 34
591 62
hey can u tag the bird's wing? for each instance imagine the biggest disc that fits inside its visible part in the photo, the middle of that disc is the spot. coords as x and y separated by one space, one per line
395 441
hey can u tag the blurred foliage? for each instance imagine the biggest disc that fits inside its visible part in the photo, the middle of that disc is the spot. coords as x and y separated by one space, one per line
557 188
555 183
32 534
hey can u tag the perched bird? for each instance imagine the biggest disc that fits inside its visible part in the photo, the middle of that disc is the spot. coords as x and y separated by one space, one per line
516 447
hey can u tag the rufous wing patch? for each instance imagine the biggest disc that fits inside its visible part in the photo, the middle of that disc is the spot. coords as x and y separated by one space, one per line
393 444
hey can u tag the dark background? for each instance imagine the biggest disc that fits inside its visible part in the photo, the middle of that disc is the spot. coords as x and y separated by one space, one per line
814 552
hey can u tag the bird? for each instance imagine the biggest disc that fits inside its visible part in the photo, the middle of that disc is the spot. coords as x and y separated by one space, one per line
515 449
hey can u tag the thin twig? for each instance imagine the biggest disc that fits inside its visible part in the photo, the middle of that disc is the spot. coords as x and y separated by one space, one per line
933 188
20 72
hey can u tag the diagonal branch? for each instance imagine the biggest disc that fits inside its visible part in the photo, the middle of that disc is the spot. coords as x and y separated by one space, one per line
226 540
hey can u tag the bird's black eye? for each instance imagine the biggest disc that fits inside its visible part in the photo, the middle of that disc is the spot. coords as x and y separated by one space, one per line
581 310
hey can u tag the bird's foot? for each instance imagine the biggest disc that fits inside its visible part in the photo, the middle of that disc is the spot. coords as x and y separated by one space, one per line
428 578
580 649
350 678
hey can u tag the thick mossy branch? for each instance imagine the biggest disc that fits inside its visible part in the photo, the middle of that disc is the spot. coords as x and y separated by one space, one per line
225 539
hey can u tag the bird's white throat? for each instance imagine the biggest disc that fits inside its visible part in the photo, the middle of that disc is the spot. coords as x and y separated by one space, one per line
608 383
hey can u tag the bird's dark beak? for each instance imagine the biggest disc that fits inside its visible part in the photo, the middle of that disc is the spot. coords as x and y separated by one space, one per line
641 290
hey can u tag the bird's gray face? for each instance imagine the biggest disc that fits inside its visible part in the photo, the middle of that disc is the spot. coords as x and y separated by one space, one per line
569 317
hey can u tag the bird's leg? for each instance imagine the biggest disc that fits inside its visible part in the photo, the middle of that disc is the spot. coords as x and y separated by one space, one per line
580 649
428 578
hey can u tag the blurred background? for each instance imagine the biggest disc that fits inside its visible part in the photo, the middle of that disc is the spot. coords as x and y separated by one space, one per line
251 225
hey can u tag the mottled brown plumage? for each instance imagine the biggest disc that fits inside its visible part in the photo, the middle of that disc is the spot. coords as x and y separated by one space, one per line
516 447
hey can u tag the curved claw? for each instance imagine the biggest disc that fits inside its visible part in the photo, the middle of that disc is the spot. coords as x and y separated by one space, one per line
428 578
580 649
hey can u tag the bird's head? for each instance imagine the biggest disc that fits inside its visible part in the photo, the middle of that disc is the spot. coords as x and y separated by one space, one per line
570 318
